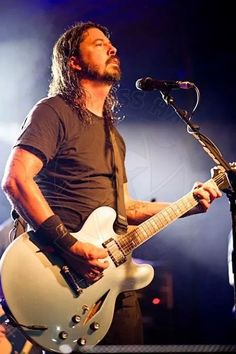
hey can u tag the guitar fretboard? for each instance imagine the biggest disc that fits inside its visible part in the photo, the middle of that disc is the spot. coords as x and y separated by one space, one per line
156 223
166 216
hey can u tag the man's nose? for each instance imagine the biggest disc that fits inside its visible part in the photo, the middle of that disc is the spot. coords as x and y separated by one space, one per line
112 50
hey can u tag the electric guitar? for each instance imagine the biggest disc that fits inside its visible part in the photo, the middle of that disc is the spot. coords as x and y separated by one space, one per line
58 309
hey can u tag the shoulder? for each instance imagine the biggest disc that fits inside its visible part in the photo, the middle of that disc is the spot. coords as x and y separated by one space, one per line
56 103
52 109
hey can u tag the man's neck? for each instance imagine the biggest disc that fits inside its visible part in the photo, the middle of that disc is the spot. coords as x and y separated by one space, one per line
96 93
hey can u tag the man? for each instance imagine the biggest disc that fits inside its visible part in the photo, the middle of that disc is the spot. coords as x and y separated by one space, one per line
61 167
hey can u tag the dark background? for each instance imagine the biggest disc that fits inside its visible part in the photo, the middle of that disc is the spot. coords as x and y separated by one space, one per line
168 40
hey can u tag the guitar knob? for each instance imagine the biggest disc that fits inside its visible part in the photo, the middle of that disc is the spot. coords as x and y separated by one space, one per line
95 326
63 335
81 341
76 319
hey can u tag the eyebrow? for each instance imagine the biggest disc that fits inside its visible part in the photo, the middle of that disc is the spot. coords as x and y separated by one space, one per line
101 39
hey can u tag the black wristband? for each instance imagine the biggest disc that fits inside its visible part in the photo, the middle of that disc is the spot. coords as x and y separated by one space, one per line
54 231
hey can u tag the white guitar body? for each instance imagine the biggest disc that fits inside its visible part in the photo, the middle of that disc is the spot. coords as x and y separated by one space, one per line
37 294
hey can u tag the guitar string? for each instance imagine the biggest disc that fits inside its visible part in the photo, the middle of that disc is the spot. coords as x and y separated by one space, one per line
128 242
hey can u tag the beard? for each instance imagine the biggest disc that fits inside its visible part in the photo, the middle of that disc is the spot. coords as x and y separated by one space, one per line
91 72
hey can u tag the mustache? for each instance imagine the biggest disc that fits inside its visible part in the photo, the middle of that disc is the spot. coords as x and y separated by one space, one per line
113 59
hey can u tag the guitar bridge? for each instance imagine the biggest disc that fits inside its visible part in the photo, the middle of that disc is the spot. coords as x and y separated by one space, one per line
71 281
114 251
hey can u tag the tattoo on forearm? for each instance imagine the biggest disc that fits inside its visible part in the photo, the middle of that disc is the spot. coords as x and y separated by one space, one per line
138 210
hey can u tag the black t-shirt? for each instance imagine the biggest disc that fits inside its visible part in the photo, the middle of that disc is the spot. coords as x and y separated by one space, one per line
77 175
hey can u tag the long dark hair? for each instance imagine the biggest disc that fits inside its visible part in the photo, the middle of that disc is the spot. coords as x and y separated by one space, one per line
65 80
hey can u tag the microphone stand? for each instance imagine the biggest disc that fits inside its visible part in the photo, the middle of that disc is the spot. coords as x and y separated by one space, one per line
211 149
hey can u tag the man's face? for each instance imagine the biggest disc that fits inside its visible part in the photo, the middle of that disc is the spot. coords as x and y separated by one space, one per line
98 58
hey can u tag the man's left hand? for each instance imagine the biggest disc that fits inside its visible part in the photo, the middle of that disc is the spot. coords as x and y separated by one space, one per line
206 193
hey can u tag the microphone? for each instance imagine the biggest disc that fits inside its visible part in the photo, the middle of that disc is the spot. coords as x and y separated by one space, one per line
150 84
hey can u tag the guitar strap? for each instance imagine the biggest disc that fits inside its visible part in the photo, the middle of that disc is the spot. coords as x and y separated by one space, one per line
121 224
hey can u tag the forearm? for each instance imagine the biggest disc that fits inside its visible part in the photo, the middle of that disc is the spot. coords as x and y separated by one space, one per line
138 211
27 199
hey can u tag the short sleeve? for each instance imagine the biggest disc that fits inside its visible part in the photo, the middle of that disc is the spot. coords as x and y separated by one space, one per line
42 132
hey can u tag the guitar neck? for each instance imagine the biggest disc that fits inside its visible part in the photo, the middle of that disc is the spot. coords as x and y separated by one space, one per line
156 223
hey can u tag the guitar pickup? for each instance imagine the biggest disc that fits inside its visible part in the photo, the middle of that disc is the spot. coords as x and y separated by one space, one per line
114 251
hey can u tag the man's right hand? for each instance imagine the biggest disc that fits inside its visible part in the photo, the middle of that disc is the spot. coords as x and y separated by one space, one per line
86 259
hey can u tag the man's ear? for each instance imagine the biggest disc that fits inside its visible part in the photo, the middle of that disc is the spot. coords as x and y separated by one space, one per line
73 63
